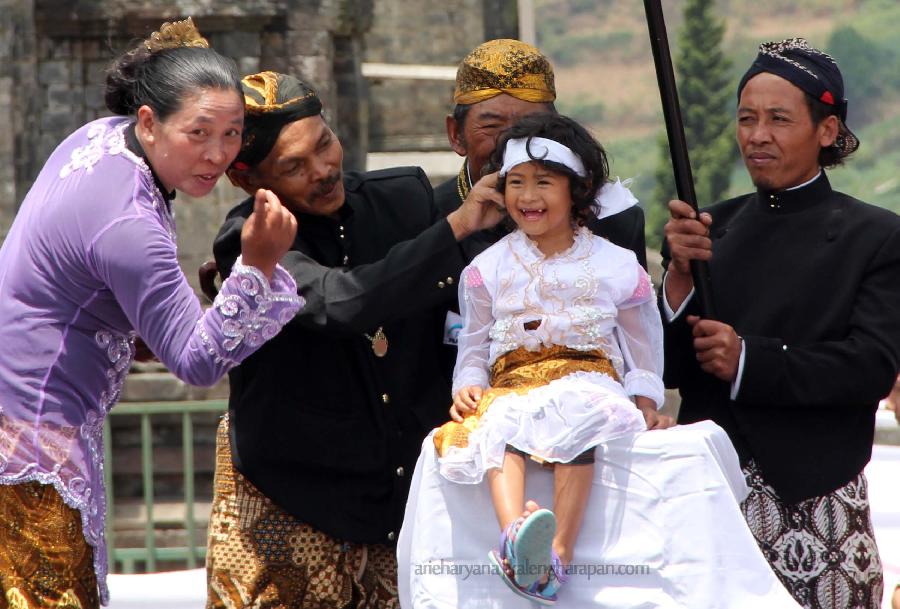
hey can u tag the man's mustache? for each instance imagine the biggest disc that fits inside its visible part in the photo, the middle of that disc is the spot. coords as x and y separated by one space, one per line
326 184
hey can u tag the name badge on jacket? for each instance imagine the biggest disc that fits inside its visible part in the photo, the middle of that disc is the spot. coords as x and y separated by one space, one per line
452 326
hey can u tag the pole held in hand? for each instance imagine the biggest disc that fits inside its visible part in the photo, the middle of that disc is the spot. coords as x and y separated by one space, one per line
681 164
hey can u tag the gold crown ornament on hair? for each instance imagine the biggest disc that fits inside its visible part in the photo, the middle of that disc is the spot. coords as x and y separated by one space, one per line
175 35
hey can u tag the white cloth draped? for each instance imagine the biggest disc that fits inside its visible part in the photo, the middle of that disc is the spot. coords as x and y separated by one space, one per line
667 501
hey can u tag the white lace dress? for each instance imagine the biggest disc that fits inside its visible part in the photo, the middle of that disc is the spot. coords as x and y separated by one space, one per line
593 296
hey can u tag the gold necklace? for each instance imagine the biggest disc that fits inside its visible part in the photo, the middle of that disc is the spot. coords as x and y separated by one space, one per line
462 181
379 342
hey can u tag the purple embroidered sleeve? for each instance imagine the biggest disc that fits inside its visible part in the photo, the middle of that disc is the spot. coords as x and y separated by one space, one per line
247 312
136 258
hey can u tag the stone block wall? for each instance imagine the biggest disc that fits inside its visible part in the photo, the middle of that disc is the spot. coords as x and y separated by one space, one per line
54 54
409 114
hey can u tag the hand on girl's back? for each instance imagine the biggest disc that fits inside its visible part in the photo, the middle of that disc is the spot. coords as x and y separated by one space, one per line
465 402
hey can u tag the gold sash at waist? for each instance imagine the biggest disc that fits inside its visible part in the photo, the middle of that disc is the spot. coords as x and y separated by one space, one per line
518 372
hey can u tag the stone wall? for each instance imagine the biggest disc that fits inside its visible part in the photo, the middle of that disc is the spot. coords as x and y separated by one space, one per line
409 114
54 53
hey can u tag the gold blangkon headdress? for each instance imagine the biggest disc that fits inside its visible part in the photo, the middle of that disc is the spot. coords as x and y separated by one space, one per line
176 34
504 66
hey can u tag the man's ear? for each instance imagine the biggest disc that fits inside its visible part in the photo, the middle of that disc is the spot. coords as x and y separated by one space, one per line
243 179
828 130
455 136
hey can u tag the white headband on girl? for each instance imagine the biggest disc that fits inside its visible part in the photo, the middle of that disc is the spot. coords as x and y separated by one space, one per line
542 149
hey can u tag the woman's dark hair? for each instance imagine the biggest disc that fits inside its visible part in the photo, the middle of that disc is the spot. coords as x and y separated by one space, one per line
576 138
163 79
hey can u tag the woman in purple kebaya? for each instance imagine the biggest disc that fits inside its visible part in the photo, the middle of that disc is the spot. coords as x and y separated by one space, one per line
88 265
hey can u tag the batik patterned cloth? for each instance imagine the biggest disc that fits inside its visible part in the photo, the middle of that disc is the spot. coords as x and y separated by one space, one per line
822 549
260 556
518 372
48 566
504 66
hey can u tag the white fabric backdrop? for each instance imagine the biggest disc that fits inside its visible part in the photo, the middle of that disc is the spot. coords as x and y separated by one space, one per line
187 589
664 499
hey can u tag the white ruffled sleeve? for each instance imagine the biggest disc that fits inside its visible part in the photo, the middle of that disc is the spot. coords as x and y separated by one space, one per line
474 343
640 334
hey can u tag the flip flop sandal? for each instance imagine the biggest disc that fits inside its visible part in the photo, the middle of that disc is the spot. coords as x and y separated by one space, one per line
546 594
505 574
526 545
532 547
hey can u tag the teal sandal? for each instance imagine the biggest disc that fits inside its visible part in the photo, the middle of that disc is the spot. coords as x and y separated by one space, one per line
556 577
525 553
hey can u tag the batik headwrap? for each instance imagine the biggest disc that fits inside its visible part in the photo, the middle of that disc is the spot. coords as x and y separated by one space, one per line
504 66
271 101
813 72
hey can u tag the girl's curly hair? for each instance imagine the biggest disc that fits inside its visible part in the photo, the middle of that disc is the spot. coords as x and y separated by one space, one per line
569 133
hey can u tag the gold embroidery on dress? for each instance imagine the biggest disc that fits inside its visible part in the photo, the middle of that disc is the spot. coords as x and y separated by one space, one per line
550 292
519 372
69 601
16 599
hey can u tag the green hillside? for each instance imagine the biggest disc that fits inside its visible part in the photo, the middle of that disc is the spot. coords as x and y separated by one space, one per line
605 77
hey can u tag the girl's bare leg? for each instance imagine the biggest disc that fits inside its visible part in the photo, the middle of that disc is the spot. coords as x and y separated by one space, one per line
507 486
572 489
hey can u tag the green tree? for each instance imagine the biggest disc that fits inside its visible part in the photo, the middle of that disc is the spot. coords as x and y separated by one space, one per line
705 94
868 70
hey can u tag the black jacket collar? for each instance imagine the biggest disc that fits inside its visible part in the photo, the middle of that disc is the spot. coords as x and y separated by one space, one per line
797 199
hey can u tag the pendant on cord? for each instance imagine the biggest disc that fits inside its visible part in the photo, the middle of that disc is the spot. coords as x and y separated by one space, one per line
379 342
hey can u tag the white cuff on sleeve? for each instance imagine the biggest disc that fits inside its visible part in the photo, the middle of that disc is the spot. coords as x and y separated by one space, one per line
736 385
670 314
647 384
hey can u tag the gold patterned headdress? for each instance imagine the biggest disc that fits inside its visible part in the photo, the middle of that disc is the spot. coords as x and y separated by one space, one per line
176 34
271 101
504 66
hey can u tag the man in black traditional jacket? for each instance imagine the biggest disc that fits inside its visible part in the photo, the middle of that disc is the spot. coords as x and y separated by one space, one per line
498 82
806 286
326 422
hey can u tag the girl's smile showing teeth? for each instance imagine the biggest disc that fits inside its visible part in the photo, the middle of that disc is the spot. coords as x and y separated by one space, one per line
532 214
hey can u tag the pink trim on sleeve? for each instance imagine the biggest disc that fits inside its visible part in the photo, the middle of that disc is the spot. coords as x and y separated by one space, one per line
643 291
472 277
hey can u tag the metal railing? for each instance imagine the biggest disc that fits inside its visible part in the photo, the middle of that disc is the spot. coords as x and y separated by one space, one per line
194 552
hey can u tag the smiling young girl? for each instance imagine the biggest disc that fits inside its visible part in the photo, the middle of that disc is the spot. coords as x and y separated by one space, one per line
560 350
